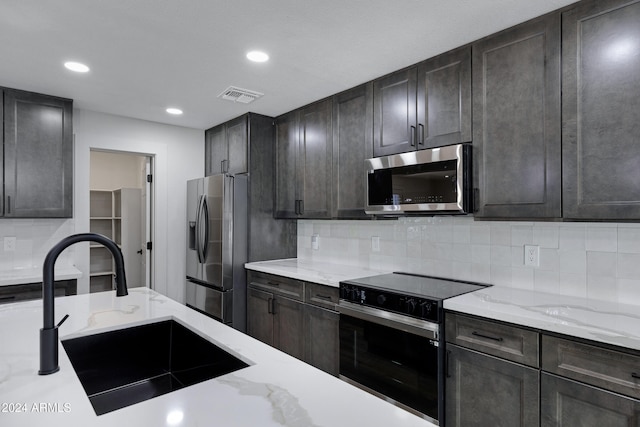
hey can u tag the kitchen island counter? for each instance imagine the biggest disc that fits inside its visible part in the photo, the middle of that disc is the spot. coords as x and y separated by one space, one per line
274 390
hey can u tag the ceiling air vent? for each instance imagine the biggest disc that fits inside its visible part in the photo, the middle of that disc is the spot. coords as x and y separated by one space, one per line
237 94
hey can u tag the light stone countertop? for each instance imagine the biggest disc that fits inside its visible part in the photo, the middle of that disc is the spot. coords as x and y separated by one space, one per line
324 273
601 321
275 390
605 322
19 276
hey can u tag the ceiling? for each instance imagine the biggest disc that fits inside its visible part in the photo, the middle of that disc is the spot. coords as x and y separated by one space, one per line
147 55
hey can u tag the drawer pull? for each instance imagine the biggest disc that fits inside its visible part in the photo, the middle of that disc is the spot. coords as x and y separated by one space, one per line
477 334
325 297
7 298
635 375
273 283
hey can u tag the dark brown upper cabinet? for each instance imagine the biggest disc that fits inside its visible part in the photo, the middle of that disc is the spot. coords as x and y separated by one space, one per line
226 147
424 106
38 156
352 145
516 121
303 162
601 110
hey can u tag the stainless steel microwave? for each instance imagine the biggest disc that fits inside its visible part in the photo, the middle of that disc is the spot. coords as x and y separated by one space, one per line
436 180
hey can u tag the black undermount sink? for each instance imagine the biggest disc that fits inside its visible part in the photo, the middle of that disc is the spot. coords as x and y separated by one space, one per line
127 366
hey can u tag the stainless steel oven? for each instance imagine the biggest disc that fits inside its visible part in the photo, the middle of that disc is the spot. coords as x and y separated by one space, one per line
390 338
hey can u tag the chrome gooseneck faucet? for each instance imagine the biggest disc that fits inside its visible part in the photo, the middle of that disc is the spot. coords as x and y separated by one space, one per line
49 332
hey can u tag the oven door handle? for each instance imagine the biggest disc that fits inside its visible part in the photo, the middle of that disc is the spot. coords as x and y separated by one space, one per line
411 325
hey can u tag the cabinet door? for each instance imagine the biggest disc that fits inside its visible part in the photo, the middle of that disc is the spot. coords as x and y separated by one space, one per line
215 149
394 113
322 338
568 403
259 317
288 326
516 121
237 142
444 99
314 160
352 145
286 173
484 391
38 156
600 110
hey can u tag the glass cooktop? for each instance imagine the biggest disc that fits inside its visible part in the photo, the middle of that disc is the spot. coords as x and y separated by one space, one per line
416 285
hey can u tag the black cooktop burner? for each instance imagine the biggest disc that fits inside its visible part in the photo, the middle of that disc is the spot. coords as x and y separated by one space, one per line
415 285
410 294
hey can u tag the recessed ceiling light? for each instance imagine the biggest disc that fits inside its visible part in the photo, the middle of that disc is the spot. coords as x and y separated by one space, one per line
174 111
257 56
76 66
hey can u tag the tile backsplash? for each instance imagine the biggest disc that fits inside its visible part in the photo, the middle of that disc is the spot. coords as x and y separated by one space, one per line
595 260
34 238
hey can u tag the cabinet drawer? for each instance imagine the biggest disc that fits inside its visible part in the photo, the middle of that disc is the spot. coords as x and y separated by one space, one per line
609 369
279 285
505 341
321 295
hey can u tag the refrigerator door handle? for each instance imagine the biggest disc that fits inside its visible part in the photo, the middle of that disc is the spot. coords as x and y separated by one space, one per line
205 243
198 230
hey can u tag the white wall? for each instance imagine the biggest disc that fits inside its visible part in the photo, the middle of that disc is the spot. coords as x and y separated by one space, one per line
598 260
178 156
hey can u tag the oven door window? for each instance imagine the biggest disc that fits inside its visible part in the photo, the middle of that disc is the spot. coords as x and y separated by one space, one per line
397 364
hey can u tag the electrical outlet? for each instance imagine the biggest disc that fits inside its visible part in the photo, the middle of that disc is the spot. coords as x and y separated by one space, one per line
532 255
375 243
9 244
315 242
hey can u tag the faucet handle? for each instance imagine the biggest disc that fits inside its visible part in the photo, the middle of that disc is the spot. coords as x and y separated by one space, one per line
66 316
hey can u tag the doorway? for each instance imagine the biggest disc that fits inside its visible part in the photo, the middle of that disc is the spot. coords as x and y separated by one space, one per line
121 208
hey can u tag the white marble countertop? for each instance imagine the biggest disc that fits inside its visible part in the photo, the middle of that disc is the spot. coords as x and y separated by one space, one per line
275 390
601 321
19 276
324 273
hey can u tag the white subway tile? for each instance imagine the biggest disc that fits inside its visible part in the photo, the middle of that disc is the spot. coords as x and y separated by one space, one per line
480 234
572 262
573 284
629 291
501 275
602 288
517 256
573 237
461 253
500 255
461 233
628 266
546 281
549 259
481 273
521 235
481 254
462 271
629 240
601 239
522 278
601 264
500 234
546 236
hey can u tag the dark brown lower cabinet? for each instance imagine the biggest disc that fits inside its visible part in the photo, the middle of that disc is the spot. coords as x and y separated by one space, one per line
276 320
483 390
31 291
295 317
569 403
322 338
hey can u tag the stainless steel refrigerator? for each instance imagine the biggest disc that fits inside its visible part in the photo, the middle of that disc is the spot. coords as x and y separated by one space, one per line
217 247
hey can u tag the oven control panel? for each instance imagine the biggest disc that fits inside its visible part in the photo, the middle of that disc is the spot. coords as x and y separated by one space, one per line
421 308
